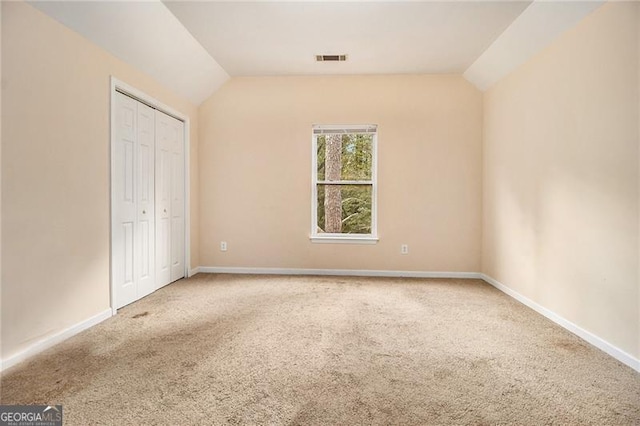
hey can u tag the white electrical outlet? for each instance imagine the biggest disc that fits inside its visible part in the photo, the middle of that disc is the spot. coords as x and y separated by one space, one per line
223 246
404 249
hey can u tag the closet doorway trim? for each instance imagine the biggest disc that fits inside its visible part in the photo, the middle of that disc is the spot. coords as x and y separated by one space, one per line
122 87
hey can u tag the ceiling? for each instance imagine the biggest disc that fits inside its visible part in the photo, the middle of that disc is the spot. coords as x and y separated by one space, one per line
193 47
147 36
278 38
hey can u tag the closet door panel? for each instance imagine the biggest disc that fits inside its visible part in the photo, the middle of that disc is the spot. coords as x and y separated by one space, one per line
177 200
163 199
124 226
146 200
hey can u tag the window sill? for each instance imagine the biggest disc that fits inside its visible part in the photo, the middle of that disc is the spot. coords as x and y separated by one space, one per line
343 239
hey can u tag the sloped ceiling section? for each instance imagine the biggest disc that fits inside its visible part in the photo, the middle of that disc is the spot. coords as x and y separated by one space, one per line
401 37
185 44
147 36
540 24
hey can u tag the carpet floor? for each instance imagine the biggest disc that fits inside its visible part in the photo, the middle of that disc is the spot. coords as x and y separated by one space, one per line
233 349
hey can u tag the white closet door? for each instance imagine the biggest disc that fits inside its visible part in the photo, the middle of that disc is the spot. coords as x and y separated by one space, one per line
146 205
148 227
170 205
124 225
163 199
177 199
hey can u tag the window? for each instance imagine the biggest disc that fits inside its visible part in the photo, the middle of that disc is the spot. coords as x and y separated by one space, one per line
344 184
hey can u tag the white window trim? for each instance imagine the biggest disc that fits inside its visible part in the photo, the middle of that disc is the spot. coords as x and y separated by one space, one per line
344 238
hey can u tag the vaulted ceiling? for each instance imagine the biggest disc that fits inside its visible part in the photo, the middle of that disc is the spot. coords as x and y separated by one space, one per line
193 47
378 38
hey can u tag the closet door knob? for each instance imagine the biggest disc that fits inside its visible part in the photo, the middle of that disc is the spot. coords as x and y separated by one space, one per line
144 212
165 210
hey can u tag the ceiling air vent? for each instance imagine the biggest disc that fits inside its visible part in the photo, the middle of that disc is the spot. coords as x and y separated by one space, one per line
331 58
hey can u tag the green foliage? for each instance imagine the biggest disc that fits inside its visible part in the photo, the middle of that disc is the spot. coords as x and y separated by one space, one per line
357 156
357 165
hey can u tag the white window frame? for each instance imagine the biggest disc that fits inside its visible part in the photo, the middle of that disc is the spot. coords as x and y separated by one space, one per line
315 237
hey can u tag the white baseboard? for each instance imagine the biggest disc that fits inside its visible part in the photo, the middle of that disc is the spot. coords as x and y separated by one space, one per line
591 338
49 341
194 271
337 272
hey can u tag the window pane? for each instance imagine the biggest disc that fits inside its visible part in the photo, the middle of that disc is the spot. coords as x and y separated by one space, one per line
344 209
345 156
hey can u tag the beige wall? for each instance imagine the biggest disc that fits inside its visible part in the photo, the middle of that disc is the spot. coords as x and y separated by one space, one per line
561 177
255 171
55 174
